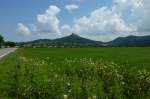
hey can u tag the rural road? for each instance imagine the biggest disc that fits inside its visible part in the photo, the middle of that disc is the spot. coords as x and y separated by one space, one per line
6 51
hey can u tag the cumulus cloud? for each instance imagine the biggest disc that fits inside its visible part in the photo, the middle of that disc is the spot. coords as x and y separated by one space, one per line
66 30
121 5
48 22
139 13
71 7
140 10
23 29
104 23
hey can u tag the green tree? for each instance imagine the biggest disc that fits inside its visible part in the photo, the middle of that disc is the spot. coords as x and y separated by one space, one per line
1 40
9 44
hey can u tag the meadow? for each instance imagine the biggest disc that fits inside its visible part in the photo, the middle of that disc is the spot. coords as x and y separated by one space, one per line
76 73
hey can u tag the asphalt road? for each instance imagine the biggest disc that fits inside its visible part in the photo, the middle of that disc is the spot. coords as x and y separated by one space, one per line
6 51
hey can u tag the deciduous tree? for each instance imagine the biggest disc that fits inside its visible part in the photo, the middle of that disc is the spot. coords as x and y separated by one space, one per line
1 40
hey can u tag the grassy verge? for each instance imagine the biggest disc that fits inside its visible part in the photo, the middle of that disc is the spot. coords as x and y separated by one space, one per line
26 76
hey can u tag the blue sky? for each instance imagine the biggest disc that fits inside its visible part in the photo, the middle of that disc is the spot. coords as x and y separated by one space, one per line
24 20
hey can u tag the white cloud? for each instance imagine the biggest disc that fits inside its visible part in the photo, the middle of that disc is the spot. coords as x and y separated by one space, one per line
109 23
102 21
47 25
71 7
23 29
48 22
140 11
66 30
121 4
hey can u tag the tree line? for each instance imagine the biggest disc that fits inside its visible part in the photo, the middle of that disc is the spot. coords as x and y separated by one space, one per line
4 43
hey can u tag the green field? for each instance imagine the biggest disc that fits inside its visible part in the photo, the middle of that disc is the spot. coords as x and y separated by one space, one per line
76 73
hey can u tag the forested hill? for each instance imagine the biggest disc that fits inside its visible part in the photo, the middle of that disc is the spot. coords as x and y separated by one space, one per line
75 40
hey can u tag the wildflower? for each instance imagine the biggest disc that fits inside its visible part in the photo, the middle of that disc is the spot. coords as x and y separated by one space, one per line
42 62
69 91
122 83
24 59
94 97
56 75
68 84
47 58
65 97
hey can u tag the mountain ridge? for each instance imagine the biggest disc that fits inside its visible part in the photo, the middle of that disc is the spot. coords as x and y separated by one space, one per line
131 41
75 40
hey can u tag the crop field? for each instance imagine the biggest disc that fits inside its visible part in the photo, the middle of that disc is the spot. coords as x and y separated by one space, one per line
76 73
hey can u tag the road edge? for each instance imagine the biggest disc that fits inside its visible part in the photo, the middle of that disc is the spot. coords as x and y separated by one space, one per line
8 53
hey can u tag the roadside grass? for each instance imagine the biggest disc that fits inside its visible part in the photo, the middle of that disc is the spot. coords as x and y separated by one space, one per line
75 74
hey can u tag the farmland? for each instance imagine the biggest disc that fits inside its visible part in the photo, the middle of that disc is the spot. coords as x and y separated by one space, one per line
76 73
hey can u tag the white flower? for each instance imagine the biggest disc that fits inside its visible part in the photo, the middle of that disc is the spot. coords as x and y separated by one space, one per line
56 76
94 97
65 97
68 84
122 83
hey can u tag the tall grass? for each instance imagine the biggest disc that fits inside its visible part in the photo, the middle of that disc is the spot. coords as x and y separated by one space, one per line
84 78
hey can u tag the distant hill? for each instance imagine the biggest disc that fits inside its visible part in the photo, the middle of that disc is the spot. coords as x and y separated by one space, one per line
72 40
75 40
131 41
